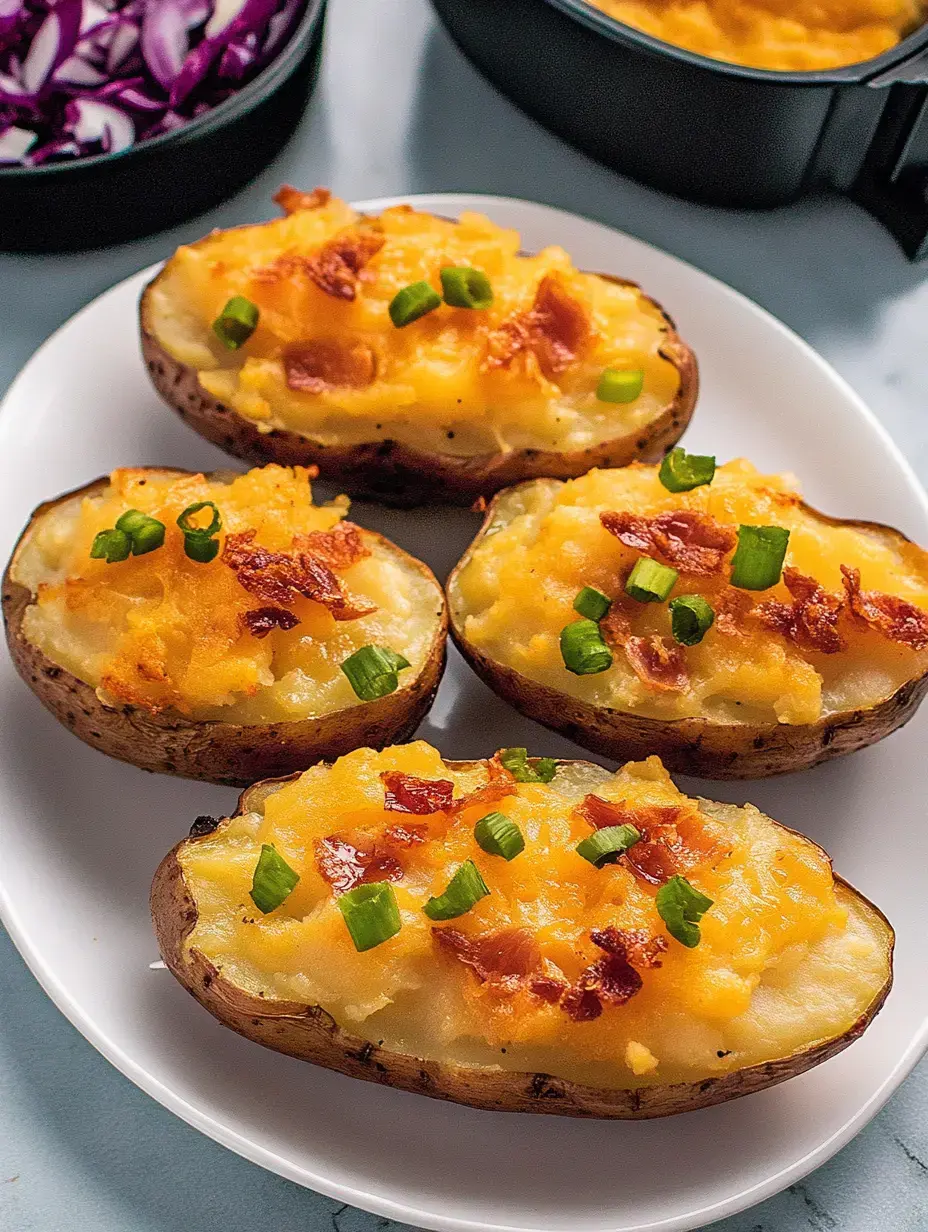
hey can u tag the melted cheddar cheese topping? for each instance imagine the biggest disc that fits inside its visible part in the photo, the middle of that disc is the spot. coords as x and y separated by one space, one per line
162 631
786 958
515 594
430 384
785 35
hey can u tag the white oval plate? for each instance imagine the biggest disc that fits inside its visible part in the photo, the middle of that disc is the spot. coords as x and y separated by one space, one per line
83 834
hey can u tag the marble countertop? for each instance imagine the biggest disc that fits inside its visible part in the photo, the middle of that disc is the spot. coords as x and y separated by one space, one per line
399 110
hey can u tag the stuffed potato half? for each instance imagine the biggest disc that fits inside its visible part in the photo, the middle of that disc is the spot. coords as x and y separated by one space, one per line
505 367
823 651
220 627
551 981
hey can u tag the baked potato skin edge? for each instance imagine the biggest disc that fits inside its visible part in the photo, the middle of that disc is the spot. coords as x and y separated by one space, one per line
310 1033
232 754
397 474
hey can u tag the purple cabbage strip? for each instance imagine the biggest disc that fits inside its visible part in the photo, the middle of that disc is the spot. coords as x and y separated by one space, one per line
84 77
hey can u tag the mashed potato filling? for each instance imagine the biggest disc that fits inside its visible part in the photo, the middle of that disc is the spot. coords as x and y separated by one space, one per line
515 594
165 632
785 35
430 384
787 957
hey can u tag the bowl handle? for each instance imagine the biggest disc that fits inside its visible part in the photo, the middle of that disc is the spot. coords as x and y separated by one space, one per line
892 182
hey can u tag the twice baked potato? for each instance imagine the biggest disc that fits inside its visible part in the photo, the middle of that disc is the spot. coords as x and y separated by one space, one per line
454 929
221 627
336 349
721 673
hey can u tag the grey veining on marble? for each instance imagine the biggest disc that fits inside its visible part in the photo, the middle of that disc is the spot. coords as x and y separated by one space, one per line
399 110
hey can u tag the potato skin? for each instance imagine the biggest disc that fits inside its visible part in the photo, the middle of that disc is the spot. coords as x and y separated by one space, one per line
214 751
310 1033
400 475
699 747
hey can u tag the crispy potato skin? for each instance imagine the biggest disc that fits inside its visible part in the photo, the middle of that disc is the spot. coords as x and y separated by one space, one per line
695 746
228 753
397 474
310 1033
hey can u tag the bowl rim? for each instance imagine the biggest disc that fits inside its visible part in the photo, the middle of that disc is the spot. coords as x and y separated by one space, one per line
859 73
268 79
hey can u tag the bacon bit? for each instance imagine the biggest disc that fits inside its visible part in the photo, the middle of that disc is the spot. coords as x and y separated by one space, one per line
292 199
336 266
404 793
895 618
660 853
548 988
689 541
601 813
502 783
278 577
344 864
340 547
406 836
555 329
506 957
612 979
329 363
261 620
641 949
657 664
811 620
668 848
479 505
731 610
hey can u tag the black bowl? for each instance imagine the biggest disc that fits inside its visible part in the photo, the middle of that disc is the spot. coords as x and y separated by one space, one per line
705 129
110 198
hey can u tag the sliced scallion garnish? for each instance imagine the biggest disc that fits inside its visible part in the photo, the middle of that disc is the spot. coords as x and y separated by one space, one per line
691 618
583 650
236 323
111 546
373 671
464 889
200 542
516 762
681 907
592 603
606 845
371 914
758 559
650 581
464 287
273 879
497 835
145 533
620 384
681 471
412 303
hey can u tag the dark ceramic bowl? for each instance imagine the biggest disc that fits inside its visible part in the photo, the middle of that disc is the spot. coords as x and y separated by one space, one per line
110 198
705 129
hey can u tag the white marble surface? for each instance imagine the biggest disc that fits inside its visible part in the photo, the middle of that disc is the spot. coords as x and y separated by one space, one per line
399 110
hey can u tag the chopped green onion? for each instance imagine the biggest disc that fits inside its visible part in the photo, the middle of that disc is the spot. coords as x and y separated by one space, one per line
681 471
111 546
592 604
236 323
606 845
200 543
371 914
516 762
200 548
583 650
691 618
464 287
412 303
498 836
650 581
373 671
620 384
273 879
758 559
464 889
146 533
681 907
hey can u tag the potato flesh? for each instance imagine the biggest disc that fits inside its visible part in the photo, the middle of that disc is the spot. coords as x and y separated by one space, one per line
515 594
432 390
784 962
180 620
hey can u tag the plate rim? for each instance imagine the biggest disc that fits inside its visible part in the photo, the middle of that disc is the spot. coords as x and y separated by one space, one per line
360 1197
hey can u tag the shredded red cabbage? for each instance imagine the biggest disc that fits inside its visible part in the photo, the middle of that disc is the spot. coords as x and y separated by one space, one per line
83 77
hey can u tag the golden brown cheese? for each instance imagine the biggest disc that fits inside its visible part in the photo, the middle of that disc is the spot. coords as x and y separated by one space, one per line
326 361
162 631
785 35
783 959
516 594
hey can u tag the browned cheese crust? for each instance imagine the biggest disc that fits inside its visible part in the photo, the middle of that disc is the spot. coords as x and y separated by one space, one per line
398 474
700 747
310 1033
230 753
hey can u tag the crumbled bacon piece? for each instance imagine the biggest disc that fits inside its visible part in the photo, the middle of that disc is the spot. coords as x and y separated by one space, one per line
811 620
548 988
612 978
506 957
555 329
502 783
329 363
731 610
895 618
669 847
345 864
404 793
639 947
336 266
657 663
278 577
261 620
292 199
683 538
602 813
